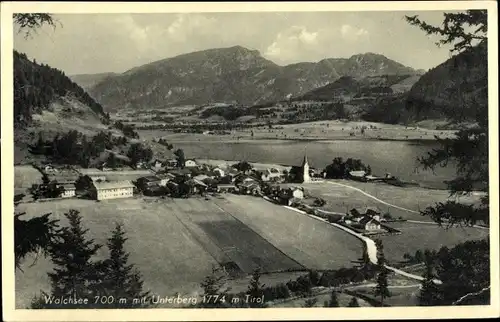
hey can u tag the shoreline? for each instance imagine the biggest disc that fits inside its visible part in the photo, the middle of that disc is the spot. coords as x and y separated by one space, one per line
263 165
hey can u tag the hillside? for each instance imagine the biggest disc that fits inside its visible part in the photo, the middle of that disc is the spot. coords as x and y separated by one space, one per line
348 87
231 75
38 86
87 81
46 100
457 87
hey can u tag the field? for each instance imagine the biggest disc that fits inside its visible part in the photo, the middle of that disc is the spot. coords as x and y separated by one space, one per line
319 130
342 199
422 236
176 242
25 176
308 241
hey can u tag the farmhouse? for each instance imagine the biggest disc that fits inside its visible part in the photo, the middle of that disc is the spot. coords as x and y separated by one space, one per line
157 164
190 163
48 168
272 174
172 163
196 186
63 177
369 223
250 187
69 191
358 175
148 182
218 172
165 178
112 190
291 195
226 188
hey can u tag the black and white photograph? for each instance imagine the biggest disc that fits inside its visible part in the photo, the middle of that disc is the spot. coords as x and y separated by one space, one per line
250 159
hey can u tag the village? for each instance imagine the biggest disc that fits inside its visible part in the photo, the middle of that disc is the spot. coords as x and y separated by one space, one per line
193 179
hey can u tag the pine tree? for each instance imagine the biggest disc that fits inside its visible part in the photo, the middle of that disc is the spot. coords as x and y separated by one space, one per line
122 280
255 289
467 31
333 302
381 289
430 292
353 302
75 274
213 293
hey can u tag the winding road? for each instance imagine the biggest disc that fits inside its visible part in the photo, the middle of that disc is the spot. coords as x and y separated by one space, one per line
370 246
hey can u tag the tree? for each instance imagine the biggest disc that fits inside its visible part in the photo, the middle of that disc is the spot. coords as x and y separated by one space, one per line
381 289
33 236
48 189
214 295
353 302
469 148
180 158
75 274
310 302
243 166
333 302
112 161
122 280
429 292
138 153
255 289
453 30
83 183
29 22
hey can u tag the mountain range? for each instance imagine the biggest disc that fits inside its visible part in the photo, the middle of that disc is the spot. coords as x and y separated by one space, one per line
232 75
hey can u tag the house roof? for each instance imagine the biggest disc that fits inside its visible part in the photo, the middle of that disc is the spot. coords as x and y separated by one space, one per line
224 185
113 185
180 172
150 178
367 219
201 177
250 184
359 173
166 176
196 182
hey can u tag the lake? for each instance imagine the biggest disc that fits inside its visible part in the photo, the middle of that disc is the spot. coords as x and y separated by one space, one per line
396 157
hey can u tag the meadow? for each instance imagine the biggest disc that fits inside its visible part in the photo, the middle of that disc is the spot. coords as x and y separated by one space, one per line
176 242
424 236
342 199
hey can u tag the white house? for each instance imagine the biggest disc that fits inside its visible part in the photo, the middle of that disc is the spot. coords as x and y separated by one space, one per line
219 172
49 168
369 223
272 174
190 163
112 190
157 164
69 191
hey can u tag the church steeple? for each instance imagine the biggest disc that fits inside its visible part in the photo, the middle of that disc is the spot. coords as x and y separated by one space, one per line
305 169
305 161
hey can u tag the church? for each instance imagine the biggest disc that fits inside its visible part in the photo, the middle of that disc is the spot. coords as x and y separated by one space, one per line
301 174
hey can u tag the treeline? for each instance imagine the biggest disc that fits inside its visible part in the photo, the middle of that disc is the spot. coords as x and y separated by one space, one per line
229 113
127 129
339 169
75 148
37 85
79 275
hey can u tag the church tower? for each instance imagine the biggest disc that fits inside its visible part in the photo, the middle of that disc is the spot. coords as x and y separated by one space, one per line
305 170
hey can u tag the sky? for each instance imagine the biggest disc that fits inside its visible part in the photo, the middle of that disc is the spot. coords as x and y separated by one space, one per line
97 43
